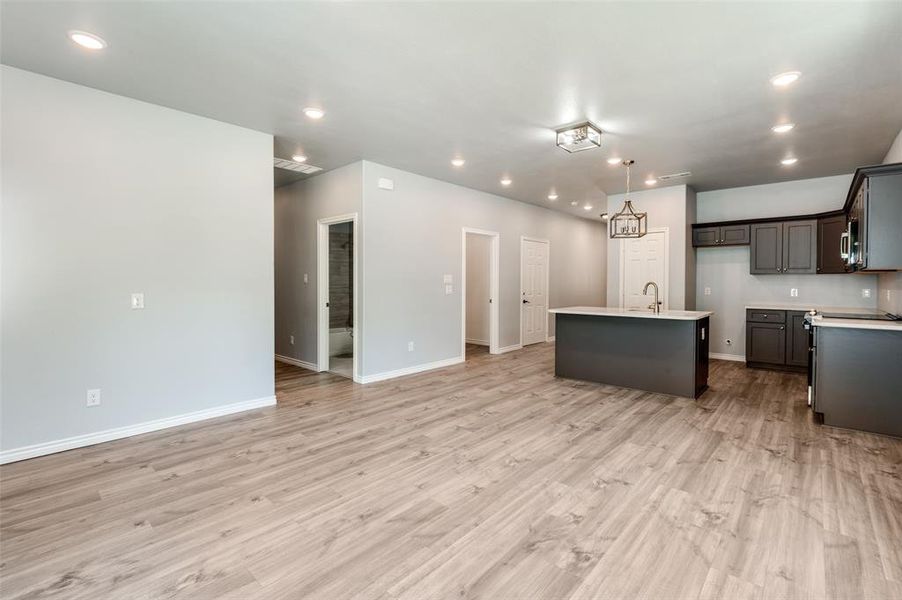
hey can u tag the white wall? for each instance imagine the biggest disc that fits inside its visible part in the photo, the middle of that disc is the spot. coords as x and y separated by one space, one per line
666 207
298 206
412 237
890 284
726 270
103 196
479 251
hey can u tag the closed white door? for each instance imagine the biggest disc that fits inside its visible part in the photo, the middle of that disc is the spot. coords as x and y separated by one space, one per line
644 259
534 292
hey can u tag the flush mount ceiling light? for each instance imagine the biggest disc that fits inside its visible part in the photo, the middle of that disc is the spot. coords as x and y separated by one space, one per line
784 79
506 181
552 196
651 181
314 113
576 138
628 223
87 40
782 128
458 162
789 161
573 203
299 158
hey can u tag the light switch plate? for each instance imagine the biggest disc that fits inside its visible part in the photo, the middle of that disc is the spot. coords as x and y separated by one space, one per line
865 293
137 301
794 292
449 289
707 291
305 278
448 278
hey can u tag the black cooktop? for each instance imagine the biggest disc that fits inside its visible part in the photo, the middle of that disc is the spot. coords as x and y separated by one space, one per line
875 316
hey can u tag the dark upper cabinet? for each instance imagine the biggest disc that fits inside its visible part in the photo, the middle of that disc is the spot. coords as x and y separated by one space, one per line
880 223
765 343
799 247
787 247
726 235
766 255
796 339
829 237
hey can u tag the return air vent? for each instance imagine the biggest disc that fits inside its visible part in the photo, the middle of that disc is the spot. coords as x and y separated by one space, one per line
290 165
674 176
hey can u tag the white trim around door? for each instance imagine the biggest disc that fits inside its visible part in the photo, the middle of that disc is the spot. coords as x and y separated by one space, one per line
494 274
523 239
322 291
665 288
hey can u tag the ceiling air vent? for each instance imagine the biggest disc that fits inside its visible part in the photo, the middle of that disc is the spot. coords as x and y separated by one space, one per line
290 165
675 176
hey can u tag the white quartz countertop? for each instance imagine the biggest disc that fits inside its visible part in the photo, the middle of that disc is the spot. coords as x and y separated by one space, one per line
819 321
807 307
605 311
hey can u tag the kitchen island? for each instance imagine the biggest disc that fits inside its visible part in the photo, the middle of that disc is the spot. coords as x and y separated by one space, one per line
664 352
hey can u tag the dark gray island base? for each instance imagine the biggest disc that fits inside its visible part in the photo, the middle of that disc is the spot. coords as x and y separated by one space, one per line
656 353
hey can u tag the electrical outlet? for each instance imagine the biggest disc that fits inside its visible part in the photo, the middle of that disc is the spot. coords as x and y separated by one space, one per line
865 293
410 346
92 398
305 278
707 291
728 341
291 340
137 301
889 295
794 292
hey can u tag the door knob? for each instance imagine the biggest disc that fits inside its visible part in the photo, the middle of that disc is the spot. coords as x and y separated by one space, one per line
525 301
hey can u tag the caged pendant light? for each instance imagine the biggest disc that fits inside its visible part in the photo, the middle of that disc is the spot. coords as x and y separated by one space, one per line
628 223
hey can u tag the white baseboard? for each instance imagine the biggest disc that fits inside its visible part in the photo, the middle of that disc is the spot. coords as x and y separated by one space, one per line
477 342
733 357
550 338
410 370
510 348
108 435
298 363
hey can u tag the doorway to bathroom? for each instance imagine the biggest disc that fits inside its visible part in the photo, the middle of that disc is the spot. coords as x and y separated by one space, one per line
336 284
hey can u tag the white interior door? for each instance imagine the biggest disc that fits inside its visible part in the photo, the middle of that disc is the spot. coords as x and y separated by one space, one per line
644 260
534 292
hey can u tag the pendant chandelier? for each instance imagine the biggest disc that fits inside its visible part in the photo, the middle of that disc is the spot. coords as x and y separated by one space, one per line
628 223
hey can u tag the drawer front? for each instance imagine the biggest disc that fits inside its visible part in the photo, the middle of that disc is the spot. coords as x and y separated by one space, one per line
760 315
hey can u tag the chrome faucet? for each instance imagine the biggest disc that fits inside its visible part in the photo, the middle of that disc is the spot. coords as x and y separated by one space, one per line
656 307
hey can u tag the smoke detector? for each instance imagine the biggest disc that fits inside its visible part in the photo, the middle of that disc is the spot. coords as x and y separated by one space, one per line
290 165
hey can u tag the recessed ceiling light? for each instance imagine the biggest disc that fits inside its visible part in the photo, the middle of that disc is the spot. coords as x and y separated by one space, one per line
299 158
587 207
458 162
615 160
574 203
784 79
782 128
506 181
651 181
87 40
314 113
552 196
789 161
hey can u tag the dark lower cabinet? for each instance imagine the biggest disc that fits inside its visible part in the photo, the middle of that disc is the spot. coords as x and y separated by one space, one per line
776 339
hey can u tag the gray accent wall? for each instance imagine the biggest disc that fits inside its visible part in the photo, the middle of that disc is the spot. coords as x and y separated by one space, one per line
104 196
412 238
889 285
726 269
298 206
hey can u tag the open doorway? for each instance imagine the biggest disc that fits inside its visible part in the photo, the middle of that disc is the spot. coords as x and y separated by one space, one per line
479 302
336 288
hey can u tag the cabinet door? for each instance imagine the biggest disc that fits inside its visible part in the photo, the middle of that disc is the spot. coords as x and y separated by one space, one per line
765 343
734 235
800 247
705 236
766 255
796 339
829 235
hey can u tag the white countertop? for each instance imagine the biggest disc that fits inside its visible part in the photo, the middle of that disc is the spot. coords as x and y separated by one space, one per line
605 311
819 321
807 307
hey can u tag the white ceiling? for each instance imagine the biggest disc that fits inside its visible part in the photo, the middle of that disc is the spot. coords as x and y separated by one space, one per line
675 86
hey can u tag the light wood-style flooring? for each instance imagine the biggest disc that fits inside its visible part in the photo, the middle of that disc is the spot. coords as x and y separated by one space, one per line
491 479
